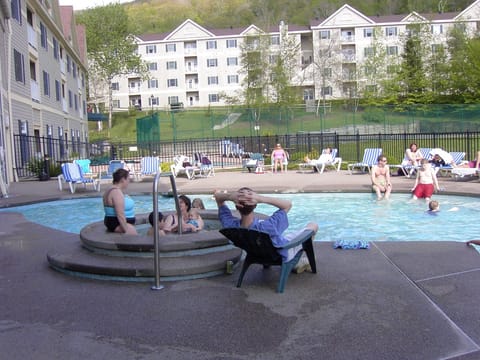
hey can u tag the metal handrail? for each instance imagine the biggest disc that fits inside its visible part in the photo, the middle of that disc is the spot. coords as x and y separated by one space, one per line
156 256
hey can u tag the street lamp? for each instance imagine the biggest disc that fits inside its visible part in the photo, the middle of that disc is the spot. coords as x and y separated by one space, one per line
151 102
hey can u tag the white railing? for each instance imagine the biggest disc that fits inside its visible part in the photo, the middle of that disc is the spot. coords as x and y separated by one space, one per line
32 36
35 90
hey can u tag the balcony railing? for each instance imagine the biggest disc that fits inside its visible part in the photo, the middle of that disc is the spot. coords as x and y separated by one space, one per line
32 37
35 90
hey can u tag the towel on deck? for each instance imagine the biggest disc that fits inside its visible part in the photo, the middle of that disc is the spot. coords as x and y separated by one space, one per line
351 244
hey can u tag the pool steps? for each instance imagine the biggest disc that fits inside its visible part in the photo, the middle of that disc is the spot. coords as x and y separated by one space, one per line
109 256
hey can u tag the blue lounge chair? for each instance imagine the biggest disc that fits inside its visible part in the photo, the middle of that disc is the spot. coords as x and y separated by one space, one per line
458 158
112 167
260 250
85 166
149 166
370 157
72 175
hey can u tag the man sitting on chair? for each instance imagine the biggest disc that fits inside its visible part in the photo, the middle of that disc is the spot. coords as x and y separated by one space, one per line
246 200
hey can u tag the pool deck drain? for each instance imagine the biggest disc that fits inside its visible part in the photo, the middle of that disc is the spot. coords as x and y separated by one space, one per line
414 300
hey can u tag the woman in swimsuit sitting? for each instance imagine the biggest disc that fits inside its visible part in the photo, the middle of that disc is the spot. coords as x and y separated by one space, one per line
278 157
119 208
171 221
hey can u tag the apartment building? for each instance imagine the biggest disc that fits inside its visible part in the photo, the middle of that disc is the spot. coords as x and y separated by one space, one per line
194 65
43 81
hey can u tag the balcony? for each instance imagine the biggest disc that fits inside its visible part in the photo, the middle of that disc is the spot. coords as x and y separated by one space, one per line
348 58
35 90
134 89
190 51
348 38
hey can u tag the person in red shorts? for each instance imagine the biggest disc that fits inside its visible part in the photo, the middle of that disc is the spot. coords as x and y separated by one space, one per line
426 181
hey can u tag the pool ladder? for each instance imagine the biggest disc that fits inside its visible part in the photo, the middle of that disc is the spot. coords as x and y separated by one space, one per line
156 256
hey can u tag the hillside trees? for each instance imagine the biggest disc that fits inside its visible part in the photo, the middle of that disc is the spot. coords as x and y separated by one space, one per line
111 47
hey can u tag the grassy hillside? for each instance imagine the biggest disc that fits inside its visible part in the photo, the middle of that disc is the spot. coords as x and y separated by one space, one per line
157 16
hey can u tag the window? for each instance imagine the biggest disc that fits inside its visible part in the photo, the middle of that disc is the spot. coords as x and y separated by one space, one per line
115 86
151 49
56 49
152 66
326 90
33 70
17 10
460 26
231 43
74 70
231 61
212 80
213 98
70 98
368 32
173 100
327 72
153 101
369 70
172 83
19 65
211 44
171 48
57 90
436 48
324 34
232 79
211 62
368 51
46 83
153 83
43 36
75 100
275 40
392 50
308 94
391 31
437 29
171 65
392 69
116 104
371 89
272 59
69 63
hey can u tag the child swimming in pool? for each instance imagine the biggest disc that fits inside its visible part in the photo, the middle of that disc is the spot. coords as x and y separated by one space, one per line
433 207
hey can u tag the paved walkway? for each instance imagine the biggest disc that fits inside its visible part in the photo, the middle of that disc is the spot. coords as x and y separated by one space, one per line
413 300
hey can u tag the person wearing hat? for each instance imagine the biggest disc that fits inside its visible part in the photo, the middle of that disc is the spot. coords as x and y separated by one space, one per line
278 157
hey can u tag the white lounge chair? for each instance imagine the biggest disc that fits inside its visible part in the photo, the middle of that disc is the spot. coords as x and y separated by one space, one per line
370 156
324 161
72 175
178 168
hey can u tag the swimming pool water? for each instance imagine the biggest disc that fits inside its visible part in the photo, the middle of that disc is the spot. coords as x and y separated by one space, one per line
339 215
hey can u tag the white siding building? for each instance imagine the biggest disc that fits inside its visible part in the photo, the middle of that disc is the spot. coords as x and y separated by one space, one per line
43 79
194 65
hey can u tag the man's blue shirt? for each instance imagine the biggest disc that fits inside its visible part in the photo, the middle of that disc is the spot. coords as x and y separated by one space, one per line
274 225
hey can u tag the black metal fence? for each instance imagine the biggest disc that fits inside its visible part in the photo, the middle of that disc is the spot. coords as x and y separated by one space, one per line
30 151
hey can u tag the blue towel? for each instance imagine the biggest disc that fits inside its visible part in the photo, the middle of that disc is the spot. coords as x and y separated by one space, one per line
351 244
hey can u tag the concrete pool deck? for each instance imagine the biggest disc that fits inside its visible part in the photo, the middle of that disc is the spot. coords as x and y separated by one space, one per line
414 300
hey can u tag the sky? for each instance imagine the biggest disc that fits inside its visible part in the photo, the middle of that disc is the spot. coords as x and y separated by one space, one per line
83 4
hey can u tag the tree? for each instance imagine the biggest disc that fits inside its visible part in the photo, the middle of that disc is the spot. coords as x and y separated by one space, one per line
110 46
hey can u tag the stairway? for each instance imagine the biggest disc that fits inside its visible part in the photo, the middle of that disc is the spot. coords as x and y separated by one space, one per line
109 256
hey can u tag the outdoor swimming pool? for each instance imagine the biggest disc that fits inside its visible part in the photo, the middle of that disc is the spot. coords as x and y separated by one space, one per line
339 215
